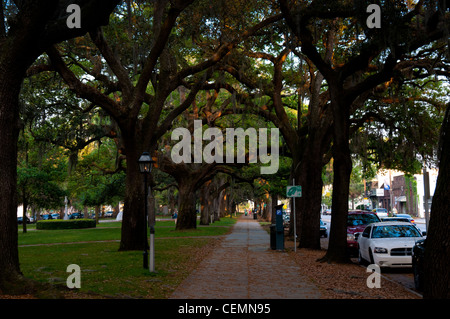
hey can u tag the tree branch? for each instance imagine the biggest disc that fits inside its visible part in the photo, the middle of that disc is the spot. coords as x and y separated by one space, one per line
81 89
113 62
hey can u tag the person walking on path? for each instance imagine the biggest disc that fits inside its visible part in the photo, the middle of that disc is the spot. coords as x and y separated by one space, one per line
244 267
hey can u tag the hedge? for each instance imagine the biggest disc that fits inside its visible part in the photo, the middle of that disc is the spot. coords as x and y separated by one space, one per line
65 224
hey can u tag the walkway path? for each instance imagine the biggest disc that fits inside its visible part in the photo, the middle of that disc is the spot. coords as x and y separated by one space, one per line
244 267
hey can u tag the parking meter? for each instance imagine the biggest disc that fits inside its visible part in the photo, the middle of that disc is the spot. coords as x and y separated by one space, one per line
279 227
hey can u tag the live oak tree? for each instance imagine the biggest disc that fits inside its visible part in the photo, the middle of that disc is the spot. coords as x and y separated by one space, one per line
137 102
372 61
27 29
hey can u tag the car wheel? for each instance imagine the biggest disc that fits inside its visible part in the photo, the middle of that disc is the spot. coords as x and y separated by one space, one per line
371 257
418 281
361 260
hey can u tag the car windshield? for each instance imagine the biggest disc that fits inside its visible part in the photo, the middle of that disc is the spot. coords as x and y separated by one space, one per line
394 231
361 219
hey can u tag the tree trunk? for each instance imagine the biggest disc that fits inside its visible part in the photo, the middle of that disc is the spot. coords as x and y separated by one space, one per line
9 133
97 213
205 204
342 167
437 252
273 203
309 176
133 221
216 209
187 217
24 212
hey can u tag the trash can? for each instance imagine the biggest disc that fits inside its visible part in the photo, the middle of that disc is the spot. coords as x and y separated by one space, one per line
273 237
255 216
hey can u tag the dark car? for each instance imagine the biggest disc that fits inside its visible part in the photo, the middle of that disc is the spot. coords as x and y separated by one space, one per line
323 229
75 216
395 219
418 253
357 220
20 220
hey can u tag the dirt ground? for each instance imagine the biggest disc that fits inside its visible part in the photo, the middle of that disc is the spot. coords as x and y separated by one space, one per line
345 281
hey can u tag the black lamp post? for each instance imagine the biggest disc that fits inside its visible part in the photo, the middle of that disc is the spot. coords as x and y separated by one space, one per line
145 167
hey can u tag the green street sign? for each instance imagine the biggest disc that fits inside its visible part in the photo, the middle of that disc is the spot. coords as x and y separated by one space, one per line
293 191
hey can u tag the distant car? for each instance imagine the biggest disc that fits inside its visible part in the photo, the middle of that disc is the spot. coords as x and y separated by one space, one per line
402 219
381 212
286 220
388 244
75 216
357 220
395 219
323 229
20 220
418 253
109 214
56 216
411 220
327 212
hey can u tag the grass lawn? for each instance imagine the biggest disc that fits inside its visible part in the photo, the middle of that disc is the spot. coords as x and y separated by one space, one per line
108 273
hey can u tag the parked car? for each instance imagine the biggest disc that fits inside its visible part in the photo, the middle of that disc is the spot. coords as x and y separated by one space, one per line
418 252
381 212
20 220
109 214
411 220
388 244
46 216
357 220
403 219
323 229
75 216
395 219
286 220
56 216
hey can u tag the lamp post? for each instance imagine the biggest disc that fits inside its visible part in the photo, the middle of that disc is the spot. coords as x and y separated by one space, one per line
145 167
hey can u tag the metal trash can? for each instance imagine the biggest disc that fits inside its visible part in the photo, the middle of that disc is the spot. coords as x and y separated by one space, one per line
273 237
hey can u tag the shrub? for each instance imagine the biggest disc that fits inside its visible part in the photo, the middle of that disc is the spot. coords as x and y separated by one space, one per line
65 224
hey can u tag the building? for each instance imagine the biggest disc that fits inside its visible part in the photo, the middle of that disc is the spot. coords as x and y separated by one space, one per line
405 193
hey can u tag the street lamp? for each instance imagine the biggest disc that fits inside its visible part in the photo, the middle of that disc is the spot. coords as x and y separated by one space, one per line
145 167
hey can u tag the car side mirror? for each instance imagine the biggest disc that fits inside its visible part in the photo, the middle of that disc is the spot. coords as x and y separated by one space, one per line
424 233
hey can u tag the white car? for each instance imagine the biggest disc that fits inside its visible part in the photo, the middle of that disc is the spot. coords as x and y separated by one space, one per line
381 212
388 244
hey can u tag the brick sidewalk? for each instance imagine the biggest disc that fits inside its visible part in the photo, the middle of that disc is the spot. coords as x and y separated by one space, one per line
244 267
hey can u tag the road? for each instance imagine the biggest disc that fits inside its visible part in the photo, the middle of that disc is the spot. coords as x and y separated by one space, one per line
403 276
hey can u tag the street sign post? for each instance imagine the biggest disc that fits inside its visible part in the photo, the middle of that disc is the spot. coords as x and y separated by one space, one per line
294 191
